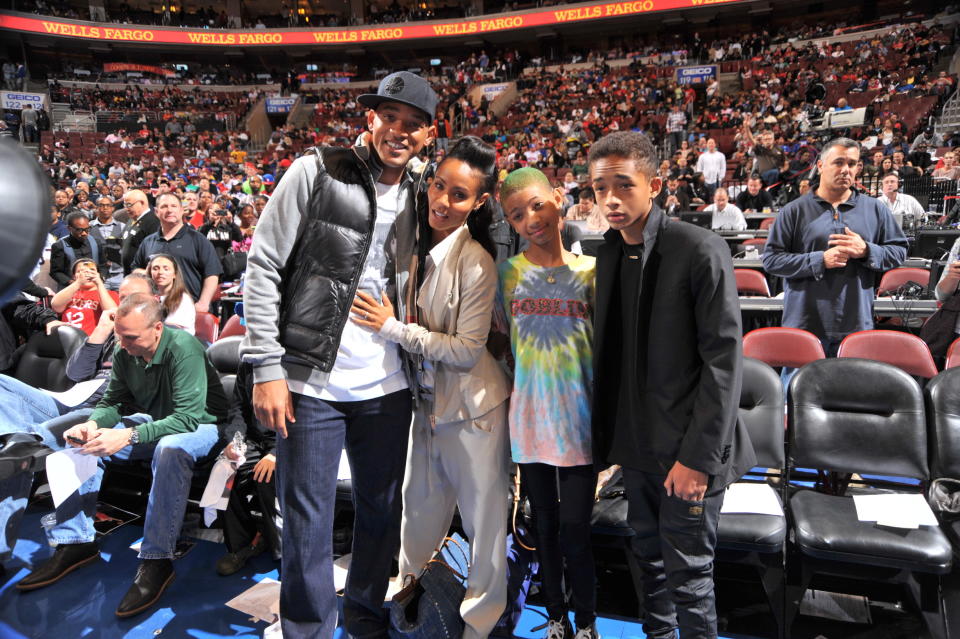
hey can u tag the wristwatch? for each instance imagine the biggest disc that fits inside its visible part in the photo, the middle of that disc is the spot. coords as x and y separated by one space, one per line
134 436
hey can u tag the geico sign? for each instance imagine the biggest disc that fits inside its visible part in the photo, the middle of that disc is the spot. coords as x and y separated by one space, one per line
697 71
24 97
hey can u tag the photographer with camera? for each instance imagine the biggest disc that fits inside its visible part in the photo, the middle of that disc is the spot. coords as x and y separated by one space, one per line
110 232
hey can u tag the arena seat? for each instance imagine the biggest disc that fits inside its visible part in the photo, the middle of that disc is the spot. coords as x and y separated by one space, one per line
895 278
766 223
783 346
903 350
224 354
754 539
43 362
207 325
860 416
953 354
233 326
751 282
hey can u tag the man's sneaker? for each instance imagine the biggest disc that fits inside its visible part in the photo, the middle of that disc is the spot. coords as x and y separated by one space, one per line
233 561
559 629
66 558
588 632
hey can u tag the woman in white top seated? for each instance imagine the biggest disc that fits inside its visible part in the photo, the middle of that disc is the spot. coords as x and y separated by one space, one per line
176 302
726 216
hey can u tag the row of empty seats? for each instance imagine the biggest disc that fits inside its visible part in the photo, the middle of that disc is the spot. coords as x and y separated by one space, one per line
754 282
794 348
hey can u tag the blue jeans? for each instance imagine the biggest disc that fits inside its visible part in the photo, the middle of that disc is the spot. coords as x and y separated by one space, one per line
375 433
173 458
23 409
770 176
22 406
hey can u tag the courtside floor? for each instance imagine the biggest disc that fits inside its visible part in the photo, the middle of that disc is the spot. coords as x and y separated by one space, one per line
83 603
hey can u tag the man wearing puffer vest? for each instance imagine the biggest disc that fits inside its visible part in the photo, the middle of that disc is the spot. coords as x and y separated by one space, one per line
340 220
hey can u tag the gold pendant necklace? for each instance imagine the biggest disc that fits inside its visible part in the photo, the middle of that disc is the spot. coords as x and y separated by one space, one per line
551 279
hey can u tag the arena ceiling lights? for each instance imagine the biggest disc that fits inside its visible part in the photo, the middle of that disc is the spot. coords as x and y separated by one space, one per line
131 34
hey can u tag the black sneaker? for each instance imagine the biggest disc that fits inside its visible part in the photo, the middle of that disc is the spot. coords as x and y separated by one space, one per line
559 629
232 562
66 558
153 577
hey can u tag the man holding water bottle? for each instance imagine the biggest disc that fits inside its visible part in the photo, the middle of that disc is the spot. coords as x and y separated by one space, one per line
828 245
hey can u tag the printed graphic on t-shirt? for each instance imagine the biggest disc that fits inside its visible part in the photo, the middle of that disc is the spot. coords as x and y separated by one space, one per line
84 310
551 332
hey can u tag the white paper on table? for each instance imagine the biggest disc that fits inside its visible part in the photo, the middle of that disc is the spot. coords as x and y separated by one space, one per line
343 470
754 499
261 601
340 569
77 394
66 470
895 510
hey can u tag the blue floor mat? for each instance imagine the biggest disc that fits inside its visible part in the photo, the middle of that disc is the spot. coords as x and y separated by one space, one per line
82 604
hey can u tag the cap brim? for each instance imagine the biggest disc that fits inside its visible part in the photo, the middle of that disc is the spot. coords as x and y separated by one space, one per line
373 100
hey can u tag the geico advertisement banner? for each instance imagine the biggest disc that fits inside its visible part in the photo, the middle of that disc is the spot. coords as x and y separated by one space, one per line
279 105
491 91
696 75
283 37
17 100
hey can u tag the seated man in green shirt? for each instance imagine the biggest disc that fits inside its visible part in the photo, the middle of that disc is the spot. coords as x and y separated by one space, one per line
166 374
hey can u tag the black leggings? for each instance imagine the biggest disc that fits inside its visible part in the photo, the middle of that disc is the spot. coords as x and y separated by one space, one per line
562 521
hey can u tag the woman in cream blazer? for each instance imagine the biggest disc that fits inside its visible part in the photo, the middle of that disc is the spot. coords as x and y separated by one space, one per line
458 452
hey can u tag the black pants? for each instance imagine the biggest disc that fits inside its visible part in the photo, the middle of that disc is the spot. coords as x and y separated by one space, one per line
562 501
240 525
674 543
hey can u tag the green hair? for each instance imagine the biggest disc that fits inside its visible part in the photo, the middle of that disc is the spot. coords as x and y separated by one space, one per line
521 179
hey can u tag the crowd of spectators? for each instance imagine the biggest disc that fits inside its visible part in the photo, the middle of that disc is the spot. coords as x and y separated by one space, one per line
765 124
136 99
784 92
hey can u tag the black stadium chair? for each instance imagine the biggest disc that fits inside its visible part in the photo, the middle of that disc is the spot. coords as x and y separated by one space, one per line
942 397
224 354
43 363
851 415
751 539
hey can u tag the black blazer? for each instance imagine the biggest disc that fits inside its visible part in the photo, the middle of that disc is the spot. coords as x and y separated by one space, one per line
690 357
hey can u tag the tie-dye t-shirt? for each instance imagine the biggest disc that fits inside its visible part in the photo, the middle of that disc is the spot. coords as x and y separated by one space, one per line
550 310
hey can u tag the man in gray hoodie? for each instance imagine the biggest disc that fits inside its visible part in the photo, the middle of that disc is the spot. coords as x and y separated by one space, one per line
340 220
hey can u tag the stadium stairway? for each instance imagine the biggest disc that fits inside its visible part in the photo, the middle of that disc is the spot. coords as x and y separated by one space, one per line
300 114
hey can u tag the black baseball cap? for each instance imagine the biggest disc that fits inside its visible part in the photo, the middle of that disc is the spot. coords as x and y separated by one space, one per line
406 88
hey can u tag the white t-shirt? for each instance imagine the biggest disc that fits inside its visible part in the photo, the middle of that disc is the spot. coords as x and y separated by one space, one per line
367 365
185 315
731 217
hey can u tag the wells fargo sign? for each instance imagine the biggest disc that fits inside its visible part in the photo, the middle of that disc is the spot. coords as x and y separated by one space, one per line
286 37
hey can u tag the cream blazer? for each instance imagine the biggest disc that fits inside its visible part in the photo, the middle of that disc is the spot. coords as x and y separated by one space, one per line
452 329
